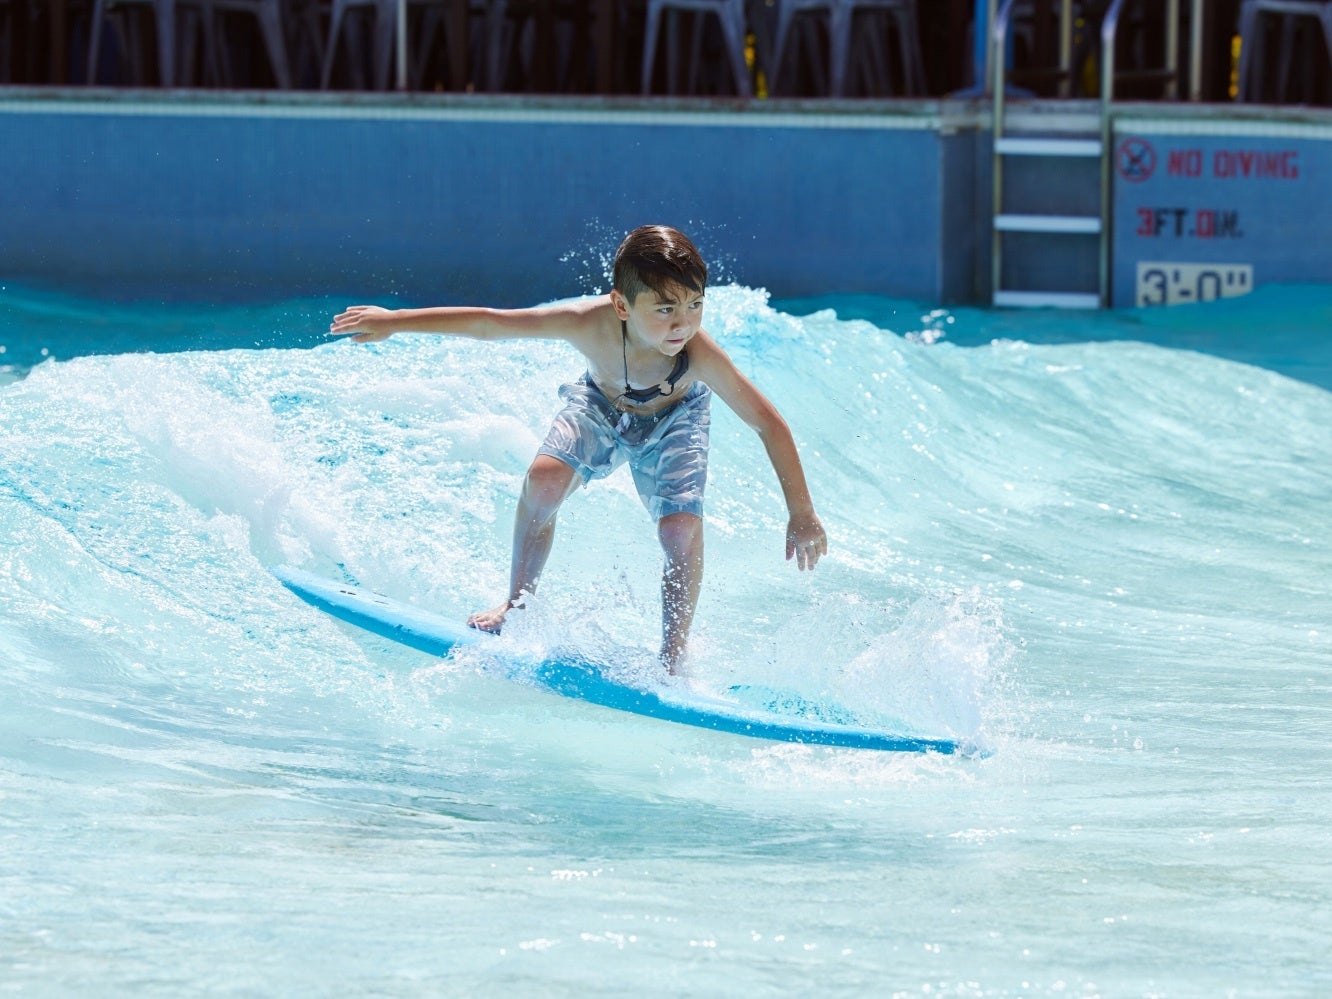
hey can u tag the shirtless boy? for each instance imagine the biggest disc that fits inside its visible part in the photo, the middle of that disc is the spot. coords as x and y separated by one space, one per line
644 400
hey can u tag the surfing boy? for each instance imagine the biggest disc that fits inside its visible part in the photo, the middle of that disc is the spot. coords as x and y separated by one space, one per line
651 372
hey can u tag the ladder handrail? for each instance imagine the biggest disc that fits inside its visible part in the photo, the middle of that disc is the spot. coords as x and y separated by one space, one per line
998 59
998 72
1109 31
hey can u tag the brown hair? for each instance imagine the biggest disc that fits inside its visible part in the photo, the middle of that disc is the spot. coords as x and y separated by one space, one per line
654 258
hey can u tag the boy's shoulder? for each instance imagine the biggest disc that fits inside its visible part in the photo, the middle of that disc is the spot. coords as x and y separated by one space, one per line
592 312
589 324
705 350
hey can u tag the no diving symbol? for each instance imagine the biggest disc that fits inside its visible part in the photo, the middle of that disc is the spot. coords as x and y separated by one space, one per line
1135 160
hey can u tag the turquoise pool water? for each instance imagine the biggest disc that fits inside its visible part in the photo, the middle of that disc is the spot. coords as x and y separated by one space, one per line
1100 541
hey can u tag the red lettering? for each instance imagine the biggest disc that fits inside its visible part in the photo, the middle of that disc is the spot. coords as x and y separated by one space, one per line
1145 220
1282 165
1184 163
1205 228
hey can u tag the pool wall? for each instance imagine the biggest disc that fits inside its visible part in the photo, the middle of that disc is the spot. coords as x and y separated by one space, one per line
237 197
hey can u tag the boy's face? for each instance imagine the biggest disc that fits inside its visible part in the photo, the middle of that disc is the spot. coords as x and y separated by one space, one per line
663 321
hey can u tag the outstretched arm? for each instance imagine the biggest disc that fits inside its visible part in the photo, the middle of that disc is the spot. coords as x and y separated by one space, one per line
564 321
806 540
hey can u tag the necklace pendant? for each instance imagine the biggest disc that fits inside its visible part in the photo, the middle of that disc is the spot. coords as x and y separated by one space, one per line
665 388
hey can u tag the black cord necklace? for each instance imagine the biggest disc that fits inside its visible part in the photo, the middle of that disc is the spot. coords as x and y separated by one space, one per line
624 349
665 388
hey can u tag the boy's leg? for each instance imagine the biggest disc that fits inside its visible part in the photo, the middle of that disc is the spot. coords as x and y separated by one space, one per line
681 537
548 484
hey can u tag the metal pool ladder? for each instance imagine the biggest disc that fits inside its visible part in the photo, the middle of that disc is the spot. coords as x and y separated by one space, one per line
1082 144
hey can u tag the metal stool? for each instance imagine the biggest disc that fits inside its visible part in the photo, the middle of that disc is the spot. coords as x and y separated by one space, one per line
553 37
452 15
386 15
164 16
453 19
1252 42
730 14
268 13
840 16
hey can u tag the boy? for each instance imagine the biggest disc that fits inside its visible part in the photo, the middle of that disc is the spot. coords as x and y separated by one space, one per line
644 399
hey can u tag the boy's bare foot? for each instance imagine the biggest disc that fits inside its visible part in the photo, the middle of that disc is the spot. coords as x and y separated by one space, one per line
490 620
673 660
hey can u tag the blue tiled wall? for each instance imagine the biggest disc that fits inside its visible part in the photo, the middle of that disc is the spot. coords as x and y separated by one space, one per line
256 202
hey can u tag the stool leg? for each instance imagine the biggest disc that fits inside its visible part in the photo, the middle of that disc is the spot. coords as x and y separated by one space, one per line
335 31
733 30
784 18
495 18
217 70
871 47
431 21
270 23
913 63
672 51
1287 52
95 40
385 29
650 32
839 31
166 41
695 52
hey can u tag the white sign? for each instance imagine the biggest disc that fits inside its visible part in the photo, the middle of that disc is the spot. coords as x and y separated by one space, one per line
1168 283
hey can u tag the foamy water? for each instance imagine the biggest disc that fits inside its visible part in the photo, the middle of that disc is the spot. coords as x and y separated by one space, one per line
1102 546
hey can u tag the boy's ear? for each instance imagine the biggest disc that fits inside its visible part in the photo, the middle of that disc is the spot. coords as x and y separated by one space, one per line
620 304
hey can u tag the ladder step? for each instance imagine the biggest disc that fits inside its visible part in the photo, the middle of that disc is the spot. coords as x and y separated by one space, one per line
1047 147
1047 300
1048 223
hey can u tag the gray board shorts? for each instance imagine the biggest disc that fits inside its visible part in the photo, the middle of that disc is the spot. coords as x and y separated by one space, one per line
667 451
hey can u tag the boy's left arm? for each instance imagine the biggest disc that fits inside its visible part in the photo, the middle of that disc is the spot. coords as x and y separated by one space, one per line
806 540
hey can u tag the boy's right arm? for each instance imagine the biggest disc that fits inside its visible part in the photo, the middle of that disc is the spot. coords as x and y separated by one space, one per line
572 321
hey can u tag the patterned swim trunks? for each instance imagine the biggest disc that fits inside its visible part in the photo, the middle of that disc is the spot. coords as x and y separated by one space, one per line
667 452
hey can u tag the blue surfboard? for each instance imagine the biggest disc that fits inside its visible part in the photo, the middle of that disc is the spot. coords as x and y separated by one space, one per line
753 711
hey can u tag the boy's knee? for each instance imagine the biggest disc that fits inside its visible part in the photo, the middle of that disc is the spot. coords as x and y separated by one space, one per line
548 483
681 534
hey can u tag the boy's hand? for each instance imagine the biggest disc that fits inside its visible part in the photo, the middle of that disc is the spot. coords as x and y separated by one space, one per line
367 323
805 541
